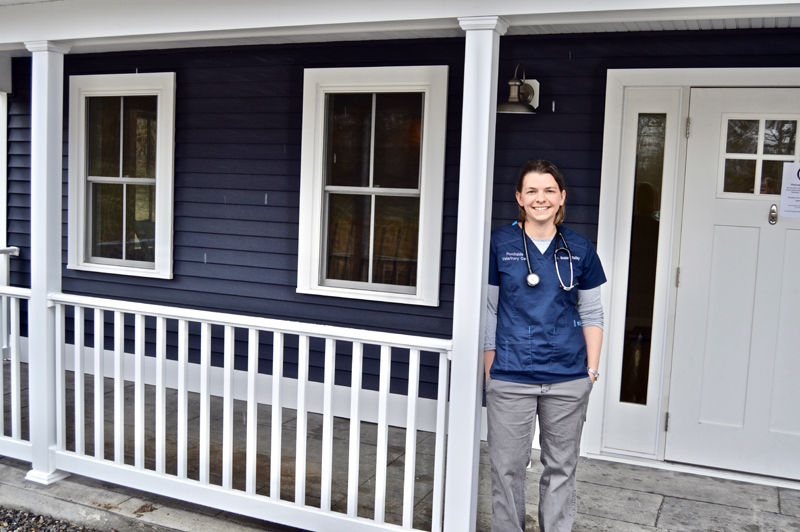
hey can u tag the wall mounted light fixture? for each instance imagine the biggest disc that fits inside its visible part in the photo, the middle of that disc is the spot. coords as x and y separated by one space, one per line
523 95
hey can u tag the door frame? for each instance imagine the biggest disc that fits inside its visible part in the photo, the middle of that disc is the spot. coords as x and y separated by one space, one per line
613 240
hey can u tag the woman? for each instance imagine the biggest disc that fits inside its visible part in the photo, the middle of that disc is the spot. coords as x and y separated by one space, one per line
542 351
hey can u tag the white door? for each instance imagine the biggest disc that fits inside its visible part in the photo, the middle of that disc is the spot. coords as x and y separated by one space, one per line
735 385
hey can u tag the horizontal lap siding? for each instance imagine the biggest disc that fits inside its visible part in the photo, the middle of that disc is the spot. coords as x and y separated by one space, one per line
18 207
572 72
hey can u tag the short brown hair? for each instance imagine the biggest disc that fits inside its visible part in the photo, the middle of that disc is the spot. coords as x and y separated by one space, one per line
540 166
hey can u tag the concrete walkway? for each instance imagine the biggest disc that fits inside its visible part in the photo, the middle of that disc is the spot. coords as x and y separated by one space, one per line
611 497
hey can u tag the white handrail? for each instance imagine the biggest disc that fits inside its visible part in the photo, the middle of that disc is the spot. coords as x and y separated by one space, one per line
218 318
15 291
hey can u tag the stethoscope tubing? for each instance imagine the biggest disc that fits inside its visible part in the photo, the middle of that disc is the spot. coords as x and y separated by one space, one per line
533 279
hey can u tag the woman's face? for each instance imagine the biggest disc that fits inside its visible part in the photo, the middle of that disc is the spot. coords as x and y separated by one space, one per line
540 198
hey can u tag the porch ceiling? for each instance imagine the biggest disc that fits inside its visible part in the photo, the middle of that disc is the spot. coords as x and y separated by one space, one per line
104 32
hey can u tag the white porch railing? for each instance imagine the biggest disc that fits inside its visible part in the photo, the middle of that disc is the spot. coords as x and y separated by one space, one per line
347 500
14 438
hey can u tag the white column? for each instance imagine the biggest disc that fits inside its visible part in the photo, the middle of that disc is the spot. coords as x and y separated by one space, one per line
5 73
47 109
472 249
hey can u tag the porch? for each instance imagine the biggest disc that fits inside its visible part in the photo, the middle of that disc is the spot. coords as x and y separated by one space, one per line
224 453
611 496
182 419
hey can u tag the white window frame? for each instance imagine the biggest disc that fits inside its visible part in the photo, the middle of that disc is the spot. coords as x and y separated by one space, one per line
430 80
161 85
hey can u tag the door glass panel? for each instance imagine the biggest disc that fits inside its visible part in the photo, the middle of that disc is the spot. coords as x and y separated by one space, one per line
396 235
348 237
398 132
771 177
740 175
139 138
755 153
348 139
643 257
107 220
742 136
779 137
102 136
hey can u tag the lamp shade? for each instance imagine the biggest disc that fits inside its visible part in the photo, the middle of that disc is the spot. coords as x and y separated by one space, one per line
520 95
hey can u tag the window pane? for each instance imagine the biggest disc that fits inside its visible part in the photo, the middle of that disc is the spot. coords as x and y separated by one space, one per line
651 135
139 137
348 134
739 175
102 136
742 136
779 137
348 237
771 177
107 221
140 226
396 236
398 132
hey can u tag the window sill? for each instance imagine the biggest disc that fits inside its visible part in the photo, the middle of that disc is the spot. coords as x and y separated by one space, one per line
120 270
368 295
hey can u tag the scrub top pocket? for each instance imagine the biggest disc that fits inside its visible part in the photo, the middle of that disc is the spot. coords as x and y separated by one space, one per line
513 346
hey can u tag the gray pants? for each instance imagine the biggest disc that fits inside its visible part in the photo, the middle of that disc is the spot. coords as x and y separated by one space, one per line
511 409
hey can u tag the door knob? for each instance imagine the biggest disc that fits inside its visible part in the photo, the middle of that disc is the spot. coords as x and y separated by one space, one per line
773 214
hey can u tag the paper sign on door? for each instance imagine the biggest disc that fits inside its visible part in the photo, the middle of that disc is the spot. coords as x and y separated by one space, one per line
790 190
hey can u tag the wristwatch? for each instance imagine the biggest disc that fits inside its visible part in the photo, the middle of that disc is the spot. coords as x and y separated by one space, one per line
594 372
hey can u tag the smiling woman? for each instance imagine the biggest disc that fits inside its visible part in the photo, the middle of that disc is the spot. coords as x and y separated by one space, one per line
542 350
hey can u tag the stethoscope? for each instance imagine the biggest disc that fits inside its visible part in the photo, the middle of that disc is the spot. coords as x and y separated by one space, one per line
532 278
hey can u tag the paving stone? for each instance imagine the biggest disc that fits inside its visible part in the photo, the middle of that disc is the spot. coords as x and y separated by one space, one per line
87 493
694 516
43 504
790 502
256 523
628 506
591 523
681 485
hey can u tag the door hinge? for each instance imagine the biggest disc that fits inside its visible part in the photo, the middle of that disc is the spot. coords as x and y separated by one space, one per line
666 423
688 122
678 277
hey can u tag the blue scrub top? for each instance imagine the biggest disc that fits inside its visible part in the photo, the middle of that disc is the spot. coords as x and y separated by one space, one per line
539 335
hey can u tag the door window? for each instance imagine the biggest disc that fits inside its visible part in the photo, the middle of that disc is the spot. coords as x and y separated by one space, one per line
754 152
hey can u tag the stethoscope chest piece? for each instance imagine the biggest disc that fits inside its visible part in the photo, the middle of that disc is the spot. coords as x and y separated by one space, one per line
532 278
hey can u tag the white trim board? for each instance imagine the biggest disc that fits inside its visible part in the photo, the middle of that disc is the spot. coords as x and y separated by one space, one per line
93 25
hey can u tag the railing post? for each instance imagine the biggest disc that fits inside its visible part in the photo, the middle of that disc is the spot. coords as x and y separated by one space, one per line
472 245
47 109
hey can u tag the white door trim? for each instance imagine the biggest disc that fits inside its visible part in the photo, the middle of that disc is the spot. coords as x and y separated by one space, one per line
616 201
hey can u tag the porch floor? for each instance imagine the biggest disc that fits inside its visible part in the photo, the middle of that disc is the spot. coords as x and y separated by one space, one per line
611 496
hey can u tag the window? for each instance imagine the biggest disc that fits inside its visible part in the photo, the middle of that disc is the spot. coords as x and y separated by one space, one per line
372 179
121 134
754 152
